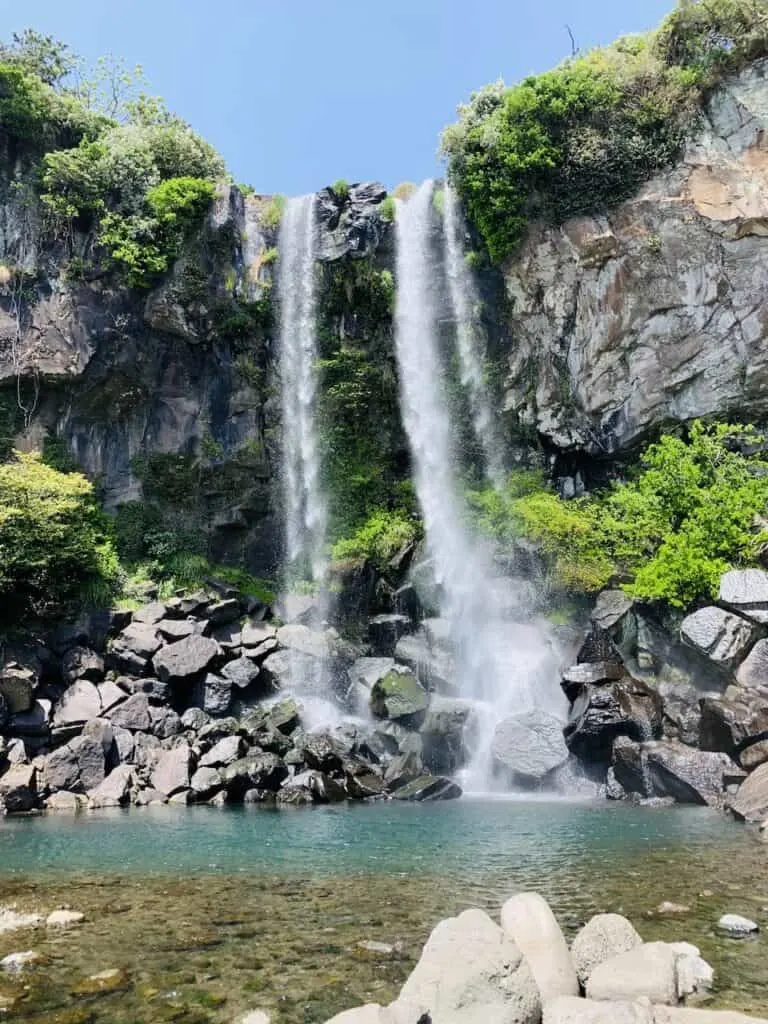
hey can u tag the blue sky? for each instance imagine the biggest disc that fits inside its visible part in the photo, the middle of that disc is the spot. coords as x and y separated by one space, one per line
298 93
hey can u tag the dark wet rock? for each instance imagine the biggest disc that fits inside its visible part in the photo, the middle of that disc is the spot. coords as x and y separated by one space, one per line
601 713
216 695
284 716
134 714
598 646
612 608
681 712
228 637
4 712
364 785
173 770
728 725
218 728
241 672
254 634
443 735
165 722
746 592
596 673
428 788
256 771
178 629
154 690
664 769
150 614
31 723
193 604
294 796
79 703
227 750
529 746
186 659
399 696
351 225
82 663
16 688
720 635
18 788
385 630
223 612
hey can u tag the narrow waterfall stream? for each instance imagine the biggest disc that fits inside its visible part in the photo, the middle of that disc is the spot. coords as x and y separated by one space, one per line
465 303
504 664
306 511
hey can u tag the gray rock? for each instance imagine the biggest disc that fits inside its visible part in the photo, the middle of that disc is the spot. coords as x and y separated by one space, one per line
81 663
164 722
611 608
241 672
686 1015
182 661
150 613
528 920
529 745
321 751
322 788
734 924
442 734
110 695
172 772
573 1010
601 713
647 971
385 630
18 788
751 800
227 750
300 608
753 672
223 612
206 781
304 640
666 769
114 790
100 729
16 688
124 744
746 591
80 702
257 771
228 637
77 767
139 638
194 719
32 723
723 637
602 937
67 803
470 971
254 634
177 629
399 696
134 714
428 788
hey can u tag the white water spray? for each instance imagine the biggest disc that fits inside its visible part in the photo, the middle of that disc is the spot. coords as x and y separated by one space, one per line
465 303
503 663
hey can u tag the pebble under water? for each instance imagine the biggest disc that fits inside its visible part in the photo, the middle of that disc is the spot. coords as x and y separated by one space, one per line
207 913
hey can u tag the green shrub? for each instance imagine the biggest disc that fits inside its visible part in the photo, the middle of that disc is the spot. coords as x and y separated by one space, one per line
341 189
584 136
379 538
56 550
388 209
666 535
272 213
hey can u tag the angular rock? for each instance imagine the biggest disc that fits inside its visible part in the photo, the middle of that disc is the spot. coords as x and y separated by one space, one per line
134 714
399 696
223 612
80 702
734 924
729 725
322 787
224 752
206 781
194 719
81 663
470 971
16 688
139 638
751 801
746 591
257 771
753 671
528 920
321 752
78 766
241 672
110 695
602 937
165 722
442 733
428 788
254 634
65 802
601 713
647 971
690 776
101 730
114 790
172 772
529 745
31 723
150 613
182 661
403 769
18 788
124 744
177 629
720 635
573 1010
385 630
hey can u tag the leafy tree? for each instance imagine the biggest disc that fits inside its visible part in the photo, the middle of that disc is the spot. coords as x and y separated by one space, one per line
55 543
46 58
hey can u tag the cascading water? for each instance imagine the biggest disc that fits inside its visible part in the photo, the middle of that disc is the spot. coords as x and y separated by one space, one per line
305 504
503 663
465 305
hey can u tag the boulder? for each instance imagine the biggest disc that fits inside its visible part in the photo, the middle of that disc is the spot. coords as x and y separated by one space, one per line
194 719
746 591
165 722
150 613
428 788
18 788
241 672
139 638
602 937
124 744
753 672
469 972
133 714
442 734
79 703
321 751
647 971
77 767
256 771
728 725
721 636
65 802
64 918
587 673
528 920
601 713
611 609
681 719
101 729
172 771
224 752
403 769
31 723
399 696
667 769
215 694
254 634
283 716
322 787
114 790
111 695
177 629
206 781
186 659
281 667
529 746
223 612
16 687
751 800
385 630
572 1010
82 663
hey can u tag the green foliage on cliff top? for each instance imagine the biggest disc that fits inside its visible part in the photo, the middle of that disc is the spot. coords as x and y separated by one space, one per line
693 511
378 540
55 543
585 135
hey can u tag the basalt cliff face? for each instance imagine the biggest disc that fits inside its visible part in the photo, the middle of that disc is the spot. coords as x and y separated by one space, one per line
657 311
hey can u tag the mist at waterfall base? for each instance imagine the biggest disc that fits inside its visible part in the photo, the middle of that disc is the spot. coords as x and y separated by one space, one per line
506 661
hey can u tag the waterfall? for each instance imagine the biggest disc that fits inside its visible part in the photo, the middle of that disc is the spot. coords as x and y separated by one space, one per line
503 663
465 306
305 507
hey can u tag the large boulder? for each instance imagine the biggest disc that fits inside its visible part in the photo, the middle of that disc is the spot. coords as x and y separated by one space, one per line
662 769
82 663
77 767
720 635
256 771
602 937
529 746
79 703
16 688
729 725
241 672
186 659
746 591
573 1010
648 971
530 923
688 1015
114 790
443 733
470 972
751 800
132 714
601 713
173 770
753 672
399 696
428 788
385 630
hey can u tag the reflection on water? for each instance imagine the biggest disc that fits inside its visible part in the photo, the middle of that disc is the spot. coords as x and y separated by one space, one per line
211 913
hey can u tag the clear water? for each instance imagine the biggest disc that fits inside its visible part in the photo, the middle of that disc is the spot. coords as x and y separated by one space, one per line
210 913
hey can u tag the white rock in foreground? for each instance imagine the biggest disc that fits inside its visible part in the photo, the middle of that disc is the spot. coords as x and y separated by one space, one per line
529 922
572 1010
372 1013
254 1017
685 1015
602 937
648 971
